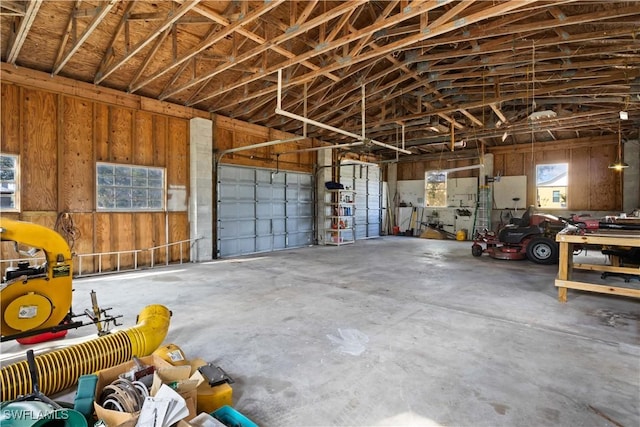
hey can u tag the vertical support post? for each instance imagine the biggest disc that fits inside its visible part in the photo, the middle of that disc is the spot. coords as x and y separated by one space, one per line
362 113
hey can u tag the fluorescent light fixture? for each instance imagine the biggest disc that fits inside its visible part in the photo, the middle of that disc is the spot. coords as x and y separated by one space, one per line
544 114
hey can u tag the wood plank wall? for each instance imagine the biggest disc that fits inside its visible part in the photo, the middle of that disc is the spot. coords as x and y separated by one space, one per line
230 133
60 138
592 185
61 127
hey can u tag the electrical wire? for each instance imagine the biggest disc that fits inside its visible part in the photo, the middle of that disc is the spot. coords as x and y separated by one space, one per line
67 228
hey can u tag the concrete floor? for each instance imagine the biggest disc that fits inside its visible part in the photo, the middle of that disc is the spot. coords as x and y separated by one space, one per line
396 331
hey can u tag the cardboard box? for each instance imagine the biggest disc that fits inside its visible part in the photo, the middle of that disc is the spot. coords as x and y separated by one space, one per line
106 377
180 379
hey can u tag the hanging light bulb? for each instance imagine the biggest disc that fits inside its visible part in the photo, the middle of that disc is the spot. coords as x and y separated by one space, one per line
619 164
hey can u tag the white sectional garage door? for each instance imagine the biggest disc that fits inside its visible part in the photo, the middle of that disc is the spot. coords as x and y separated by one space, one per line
365 180
262 211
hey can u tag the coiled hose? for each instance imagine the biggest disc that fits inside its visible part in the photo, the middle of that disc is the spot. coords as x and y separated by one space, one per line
60 369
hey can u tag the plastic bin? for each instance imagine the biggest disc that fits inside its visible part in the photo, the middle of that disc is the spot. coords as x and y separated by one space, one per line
232 418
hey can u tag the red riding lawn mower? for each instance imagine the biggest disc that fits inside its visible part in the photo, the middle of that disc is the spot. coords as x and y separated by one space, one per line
532 237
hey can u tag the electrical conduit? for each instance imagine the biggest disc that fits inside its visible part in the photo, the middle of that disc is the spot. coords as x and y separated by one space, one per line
59 370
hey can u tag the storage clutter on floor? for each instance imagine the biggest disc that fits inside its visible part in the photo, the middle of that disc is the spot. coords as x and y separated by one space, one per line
161 390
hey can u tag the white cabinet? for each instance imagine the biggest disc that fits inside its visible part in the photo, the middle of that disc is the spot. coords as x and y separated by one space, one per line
339 214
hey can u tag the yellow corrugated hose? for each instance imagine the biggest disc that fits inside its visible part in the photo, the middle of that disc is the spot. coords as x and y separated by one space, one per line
60 369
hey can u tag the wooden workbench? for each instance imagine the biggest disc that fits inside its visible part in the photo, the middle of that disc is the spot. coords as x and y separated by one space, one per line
566 265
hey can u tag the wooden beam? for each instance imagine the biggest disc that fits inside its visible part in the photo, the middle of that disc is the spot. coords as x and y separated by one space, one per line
310 5
67 33
611 77
108 55
337 11
104 10
149 57
471 117
18 9
23 30
496 110
173 17
28 78
416 8
430 32
213 39
256 38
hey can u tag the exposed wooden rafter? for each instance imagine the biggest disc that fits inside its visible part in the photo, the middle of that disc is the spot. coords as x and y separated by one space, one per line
102 11
425 64
172 17
20 35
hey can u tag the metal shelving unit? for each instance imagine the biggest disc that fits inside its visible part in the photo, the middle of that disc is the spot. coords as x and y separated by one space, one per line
339 225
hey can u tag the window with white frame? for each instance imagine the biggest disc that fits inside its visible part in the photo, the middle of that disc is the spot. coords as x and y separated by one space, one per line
552 184
435 188
129 188
9 178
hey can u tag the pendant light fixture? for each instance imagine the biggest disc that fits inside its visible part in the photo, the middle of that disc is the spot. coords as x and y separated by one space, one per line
619 165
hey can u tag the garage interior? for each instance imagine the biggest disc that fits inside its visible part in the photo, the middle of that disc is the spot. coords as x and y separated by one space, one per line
300 182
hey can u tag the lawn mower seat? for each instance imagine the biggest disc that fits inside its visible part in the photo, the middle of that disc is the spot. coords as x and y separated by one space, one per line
519 228
524 220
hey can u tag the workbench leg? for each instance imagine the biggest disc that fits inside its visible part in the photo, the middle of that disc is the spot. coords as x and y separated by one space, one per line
565 267
562 294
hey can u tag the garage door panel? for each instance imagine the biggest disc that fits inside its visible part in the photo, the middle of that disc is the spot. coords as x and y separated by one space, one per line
292 209
278 178
258 209
246 228
246 245
279 194
233 174
236 211
236 192
278 210
365 180
263 227
280 241
264 194
279 226
263 243
305 224
264 210
228 229
263 176
305 180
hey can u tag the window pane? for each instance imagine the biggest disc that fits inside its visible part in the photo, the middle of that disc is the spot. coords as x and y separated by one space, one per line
7 201
155 203
105 180
139 182
139 177
136 188
155 195
106 198
436 189
552 183
155 183
105 170
123 198
140 198
8 182
7 175
123 176
156 173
